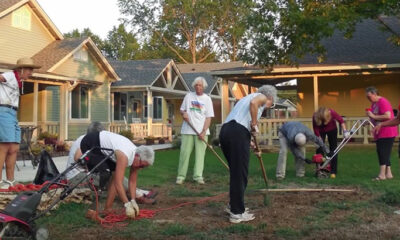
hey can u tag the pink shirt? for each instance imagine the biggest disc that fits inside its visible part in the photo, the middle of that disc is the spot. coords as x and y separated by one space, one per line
379 108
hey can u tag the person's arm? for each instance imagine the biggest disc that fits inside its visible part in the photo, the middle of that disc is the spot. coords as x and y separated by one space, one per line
391 122
183 108
255 103
122 163
206 125
78 154
132 182
2 79
383 117
317 140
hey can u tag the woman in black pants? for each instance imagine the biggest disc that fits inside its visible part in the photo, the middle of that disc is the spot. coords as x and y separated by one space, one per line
235 143
324 125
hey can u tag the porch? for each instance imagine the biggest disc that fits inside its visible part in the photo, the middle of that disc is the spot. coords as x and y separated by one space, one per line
141 130
268 135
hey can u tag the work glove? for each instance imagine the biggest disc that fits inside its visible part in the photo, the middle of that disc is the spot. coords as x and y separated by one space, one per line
131 209
308 161
346 134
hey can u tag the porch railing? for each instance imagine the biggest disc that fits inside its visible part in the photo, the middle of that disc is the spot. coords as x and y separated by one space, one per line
269 129
140 130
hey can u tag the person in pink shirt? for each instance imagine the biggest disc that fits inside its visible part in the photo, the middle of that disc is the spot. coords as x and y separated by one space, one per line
381 111
324 125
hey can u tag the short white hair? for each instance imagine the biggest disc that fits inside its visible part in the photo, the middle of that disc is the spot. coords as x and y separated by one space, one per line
146 154
300 139
269 91
200 79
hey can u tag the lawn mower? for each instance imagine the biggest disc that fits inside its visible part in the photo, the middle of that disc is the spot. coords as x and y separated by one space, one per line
17 220
323 167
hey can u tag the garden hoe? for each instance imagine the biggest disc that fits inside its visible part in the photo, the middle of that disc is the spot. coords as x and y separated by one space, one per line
209 146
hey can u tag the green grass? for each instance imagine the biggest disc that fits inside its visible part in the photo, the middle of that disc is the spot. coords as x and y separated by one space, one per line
356 167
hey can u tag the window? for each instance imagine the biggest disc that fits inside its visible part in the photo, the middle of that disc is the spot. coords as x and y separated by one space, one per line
120 100
157 107
81 55
21 18
145 106
80 102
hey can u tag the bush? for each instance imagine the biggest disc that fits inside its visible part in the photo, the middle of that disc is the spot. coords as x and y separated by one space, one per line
47 135
127 133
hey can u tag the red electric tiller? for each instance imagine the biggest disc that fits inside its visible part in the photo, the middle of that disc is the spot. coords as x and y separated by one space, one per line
17 220
323 167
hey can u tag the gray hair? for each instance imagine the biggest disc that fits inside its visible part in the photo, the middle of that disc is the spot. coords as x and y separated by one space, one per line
372 90
95 127
202 80
269 91
146 153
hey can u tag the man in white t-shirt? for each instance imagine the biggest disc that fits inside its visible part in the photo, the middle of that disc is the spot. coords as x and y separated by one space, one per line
197 111
10 132
126 154
77 173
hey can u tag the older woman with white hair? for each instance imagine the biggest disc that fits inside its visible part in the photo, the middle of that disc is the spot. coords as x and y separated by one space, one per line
197 111
126 155
235 143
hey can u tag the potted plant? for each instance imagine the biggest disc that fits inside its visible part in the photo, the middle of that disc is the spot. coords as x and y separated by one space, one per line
49 138
127 133
161 141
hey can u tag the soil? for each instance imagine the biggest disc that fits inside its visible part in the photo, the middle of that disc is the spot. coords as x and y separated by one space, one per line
287 215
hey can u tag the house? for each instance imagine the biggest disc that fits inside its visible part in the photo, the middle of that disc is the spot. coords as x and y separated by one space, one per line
72 88
351 65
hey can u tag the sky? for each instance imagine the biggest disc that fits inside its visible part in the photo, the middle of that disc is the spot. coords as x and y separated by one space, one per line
98 15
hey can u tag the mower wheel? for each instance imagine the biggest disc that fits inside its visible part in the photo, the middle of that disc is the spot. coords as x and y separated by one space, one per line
12 230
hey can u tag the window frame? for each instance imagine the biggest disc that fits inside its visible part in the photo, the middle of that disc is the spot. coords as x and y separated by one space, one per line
24 16
72 119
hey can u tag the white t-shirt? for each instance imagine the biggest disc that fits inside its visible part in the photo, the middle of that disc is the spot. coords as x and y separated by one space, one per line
75 146
198 109
241 111
9 90
117 142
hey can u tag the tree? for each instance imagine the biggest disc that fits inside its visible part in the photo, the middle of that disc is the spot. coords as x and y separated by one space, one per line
283 31
120 44
195 31
86 32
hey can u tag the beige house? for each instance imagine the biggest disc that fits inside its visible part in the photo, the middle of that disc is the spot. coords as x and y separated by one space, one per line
72 88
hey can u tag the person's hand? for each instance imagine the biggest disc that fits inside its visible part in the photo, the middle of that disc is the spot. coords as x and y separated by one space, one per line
308 161
202 135
131 209
377 128
252 145
185 116
254 127
346 134
370 114
257 153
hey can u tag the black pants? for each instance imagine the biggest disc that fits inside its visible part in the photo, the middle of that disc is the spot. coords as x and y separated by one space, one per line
235 144
384 148
332 140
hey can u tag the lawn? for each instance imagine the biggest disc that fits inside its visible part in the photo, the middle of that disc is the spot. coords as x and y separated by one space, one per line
364 214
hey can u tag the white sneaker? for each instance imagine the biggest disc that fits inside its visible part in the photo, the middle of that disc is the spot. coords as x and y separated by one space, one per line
243 217
5 184
200 181
228 209
179 181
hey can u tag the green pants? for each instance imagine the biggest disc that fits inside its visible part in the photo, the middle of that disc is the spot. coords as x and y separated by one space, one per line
188 141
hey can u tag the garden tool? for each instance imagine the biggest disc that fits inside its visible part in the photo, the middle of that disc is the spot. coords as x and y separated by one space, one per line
208 145
258 150
323 161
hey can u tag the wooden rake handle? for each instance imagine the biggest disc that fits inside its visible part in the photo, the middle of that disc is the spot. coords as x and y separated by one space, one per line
208 145
253 134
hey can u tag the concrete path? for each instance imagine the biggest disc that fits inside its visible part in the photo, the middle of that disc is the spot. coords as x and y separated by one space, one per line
27 173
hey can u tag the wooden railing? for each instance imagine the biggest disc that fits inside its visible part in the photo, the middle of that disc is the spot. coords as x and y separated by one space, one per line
140 130
269 129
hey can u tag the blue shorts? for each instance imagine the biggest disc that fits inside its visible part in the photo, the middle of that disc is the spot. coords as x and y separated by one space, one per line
10 132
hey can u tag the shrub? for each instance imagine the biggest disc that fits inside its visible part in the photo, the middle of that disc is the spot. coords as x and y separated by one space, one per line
127 133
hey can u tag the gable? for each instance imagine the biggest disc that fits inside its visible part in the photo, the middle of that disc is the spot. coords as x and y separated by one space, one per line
17 42
77 67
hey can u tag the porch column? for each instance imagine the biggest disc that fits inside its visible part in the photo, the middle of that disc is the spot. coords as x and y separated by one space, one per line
149 112
225 107
35 102
63 112
315 88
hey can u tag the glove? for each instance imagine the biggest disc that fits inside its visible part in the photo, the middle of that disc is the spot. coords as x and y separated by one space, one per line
308 161
346 134
330 154
131 209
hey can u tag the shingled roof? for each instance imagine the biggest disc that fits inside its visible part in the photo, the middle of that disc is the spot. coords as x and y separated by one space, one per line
369 45
6 4
138 72
55 51
208 67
